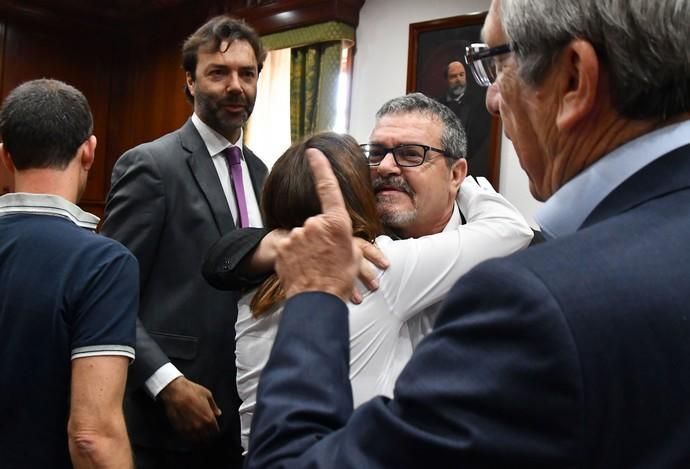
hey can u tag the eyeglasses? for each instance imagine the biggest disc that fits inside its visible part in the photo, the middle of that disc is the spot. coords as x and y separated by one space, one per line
482 61
404 155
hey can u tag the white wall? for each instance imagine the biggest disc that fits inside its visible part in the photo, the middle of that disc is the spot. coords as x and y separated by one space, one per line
514 184
380 73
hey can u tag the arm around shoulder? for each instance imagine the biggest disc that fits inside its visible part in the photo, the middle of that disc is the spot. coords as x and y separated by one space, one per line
425 269
229 262
492 218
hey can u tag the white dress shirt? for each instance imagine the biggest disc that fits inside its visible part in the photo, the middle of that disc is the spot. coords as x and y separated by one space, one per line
215 144
421 273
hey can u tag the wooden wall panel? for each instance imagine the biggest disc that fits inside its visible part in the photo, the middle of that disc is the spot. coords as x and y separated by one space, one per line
147 99
155 100
52 52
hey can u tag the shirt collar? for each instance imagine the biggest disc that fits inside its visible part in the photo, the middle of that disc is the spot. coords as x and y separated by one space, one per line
215 142
46 204
566 210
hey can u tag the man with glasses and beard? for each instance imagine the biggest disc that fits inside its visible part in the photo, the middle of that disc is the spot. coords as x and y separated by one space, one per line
170 200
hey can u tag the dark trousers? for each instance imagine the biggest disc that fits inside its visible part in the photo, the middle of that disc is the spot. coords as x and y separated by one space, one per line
203 457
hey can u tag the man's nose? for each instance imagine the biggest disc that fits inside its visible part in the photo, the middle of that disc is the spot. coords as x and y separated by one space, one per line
233 83
493 100
388 165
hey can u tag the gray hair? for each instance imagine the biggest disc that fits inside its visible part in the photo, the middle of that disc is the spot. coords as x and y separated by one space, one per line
453 137
643 44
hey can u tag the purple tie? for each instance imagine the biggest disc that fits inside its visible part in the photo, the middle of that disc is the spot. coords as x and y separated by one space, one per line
233 154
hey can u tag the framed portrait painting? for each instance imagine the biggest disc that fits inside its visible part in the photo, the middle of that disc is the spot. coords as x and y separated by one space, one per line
436 67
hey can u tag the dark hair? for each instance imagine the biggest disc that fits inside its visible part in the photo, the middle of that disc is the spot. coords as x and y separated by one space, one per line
211 35
43 123
289 197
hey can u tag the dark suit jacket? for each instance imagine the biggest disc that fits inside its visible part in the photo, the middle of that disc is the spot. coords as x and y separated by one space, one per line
571 354
167 206
477 123
223 259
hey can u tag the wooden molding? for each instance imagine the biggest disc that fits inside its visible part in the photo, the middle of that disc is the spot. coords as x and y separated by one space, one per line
266 18
89 18
289 14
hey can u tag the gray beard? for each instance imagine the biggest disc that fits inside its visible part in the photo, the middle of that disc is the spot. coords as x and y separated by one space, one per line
456 93
396 219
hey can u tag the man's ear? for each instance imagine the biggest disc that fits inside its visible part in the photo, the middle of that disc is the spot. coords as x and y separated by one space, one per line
458 172
6 159
190 82
88 152
578 82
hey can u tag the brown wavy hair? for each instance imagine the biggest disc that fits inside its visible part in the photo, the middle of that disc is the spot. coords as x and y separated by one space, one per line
289 197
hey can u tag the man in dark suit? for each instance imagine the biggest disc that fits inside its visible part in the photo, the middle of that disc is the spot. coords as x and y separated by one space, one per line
466 100
170 200
573 353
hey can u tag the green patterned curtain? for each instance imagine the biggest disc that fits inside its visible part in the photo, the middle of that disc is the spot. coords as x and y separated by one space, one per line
314 71
314 74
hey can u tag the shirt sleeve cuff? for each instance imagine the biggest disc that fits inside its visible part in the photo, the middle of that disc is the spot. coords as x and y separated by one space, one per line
161 378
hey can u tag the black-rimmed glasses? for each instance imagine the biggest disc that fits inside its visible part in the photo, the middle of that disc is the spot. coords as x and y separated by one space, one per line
482 61
404 155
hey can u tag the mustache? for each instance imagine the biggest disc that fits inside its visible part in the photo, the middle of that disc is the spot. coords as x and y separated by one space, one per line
234 101
392 182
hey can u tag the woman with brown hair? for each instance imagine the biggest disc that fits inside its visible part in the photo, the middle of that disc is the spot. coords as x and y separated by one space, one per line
421 271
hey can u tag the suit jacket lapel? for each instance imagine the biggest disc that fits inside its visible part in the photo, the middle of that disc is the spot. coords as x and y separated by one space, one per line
662 176
206 176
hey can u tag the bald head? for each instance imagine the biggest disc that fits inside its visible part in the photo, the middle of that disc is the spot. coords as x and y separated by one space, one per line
456 78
